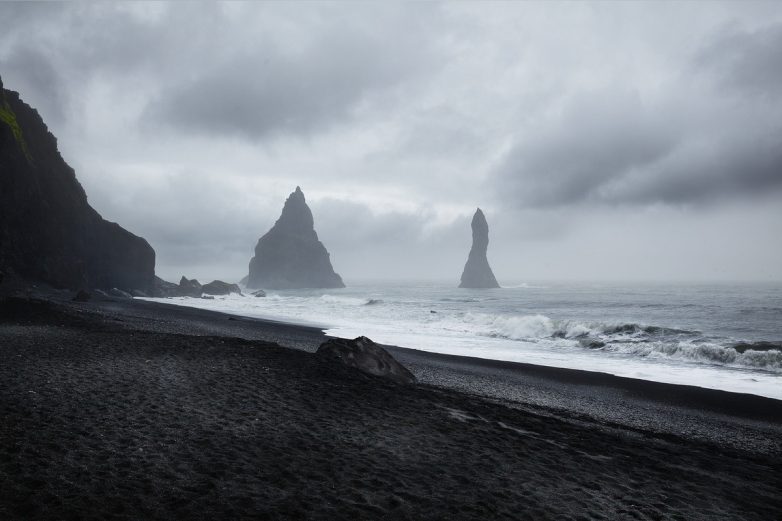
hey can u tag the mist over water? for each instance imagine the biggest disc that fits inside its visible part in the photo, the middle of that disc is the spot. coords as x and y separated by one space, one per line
720 336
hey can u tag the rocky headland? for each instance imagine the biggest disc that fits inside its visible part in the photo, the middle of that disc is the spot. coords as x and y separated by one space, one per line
48 230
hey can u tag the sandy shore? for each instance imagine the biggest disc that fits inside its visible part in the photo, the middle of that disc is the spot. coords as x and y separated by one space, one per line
137 410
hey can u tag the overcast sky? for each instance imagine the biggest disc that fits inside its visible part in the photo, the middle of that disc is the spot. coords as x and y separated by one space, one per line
617 140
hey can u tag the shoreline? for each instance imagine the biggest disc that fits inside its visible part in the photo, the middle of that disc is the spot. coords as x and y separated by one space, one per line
603 377
131 409
663 408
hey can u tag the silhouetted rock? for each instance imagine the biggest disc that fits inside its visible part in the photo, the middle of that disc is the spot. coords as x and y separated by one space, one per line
115 292
477 272
163 288
48 231
259 293
218 287
189 288
290 254
139 293
366 356
81 296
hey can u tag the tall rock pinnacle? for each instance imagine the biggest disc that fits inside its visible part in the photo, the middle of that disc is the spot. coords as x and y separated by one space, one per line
477 272
290 255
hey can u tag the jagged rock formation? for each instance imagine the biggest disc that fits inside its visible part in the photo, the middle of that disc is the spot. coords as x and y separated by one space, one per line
193 288
477 272
82 296
366 356
218 287
290 255
188 288
163 288
48 231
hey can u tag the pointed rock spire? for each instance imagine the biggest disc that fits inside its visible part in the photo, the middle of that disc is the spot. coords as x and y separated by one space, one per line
290 255
477 272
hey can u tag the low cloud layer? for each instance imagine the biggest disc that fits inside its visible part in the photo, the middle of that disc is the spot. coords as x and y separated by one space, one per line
191 123
712 134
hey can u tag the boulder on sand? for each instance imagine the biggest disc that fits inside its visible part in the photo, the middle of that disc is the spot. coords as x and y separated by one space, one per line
81 296
366 356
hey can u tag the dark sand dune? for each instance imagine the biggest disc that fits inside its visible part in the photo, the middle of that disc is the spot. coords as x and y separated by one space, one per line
109 411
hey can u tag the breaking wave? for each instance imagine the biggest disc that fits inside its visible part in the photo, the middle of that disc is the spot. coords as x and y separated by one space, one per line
349 301
631 339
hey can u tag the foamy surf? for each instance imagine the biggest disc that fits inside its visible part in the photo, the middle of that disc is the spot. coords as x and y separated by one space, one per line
666 336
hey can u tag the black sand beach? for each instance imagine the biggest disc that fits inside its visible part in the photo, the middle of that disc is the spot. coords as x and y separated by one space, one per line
137 410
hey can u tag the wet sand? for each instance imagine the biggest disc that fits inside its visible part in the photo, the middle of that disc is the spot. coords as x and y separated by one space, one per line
139 410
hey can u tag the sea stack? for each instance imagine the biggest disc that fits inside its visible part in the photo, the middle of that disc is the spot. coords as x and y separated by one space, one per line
477 272
48 230
290 256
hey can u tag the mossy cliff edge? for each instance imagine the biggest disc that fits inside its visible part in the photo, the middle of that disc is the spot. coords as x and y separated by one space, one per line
8 117
48 230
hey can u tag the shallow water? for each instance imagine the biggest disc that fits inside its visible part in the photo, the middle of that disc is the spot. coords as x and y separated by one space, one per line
720 336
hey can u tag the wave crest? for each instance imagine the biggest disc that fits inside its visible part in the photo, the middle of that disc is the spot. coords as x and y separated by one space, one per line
631 339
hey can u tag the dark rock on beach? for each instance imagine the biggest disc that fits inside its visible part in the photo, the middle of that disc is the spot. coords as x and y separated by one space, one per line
193 288
163 288
290 255
82 296
218 287
477 272
259 293
48 230
366 356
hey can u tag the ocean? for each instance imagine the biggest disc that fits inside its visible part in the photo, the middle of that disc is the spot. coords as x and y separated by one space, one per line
720 336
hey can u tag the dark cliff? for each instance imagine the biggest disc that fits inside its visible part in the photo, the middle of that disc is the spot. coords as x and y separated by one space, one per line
290 255
477 272
48 230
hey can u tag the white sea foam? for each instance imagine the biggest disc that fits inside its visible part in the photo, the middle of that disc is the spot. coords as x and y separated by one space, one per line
488 325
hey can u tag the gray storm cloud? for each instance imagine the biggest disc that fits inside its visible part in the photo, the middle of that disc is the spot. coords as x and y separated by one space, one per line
190 124
268 89
715 135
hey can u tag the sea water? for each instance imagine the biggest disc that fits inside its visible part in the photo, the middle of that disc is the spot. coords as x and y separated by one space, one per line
719 336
